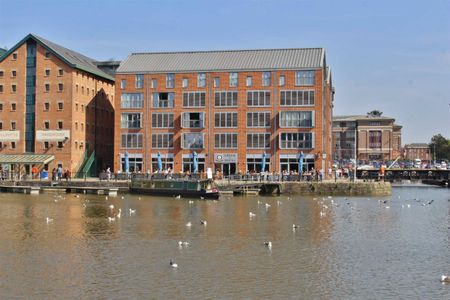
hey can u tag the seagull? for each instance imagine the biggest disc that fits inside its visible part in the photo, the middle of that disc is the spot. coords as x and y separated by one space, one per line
188 224
172 264
77 196
431 201
202 198
178 197
388 207
191 201
294 226
268 244
289 198
56 200
278 202
445 279
84 205
111 219
329 197
409 205
119 214
322 214
251 215
49 220
106 198
123 197
267 205
259 202
203 222
111 207
132 211
139 198
181 244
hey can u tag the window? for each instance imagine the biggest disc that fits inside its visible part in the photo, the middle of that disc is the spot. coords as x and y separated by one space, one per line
170 81
76 125
60 145
282 80
46 106
266 79
304 78
201 80
13 88
60 125
375 139
225 99
82 90
258 98
1 126
14 56
233 77
188 164
258 140
60 72
46 145
46 125
192 120
296 119
163 100
13 125
185 83
192 140
216 82
139 81
2 73
258 119
154 83
225 119
249 81
1 106
131 140
167 162
296 98
47 73
47 87
132 100
13 73
82 107
194 99
162 120
47 54
123 84
254 164
162 140
225 140
1 88
60 87
131 120
13 145
60 105
13 106
296 140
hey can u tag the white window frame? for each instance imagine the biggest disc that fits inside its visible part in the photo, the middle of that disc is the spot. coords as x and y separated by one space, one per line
183 139
226 134
258 112
296 111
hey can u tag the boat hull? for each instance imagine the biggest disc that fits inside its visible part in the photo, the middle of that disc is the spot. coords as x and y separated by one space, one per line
175 193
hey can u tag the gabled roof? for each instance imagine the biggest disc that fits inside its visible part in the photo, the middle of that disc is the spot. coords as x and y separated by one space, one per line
228 60
417 145
2 51
70 57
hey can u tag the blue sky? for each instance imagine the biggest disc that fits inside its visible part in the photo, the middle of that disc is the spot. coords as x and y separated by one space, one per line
393 56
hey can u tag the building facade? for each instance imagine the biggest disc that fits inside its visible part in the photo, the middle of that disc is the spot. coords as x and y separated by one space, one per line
417 151
376 138
232 109
56 103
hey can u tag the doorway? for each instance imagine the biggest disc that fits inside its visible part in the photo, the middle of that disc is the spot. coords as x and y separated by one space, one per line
228 169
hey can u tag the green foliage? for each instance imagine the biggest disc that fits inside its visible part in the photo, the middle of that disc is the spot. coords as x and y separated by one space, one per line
375 113
441 146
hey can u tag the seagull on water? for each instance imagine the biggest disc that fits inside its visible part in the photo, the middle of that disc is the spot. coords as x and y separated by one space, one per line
203 222
268 244
268 205
191 201
111 207
132 211
111 219
294 226
445 279
181 244
172 264
49 220
119 214
178 197
251 214
188 224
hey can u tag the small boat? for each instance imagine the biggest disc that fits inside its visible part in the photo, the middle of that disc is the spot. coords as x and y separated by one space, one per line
179 188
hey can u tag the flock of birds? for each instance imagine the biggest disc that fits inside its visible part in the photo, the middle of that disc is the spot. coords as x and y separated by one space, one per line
325 203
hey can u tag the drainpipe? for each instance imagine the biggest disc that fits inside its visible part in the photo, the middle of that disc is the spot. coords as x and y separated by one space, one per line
275 118
209 77
147 123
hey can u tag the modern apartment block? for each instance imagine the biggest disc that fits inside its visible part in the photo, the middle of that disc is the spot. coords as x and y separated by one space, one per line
417 151
231 109
376 137
56 108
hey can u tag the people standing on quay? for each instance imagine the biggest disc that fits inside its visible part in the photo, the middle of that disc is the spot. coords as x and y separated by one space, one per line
59 172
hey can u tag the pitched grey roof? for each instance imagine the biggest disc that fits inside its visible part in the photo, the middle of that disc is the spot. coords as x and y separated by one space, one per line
359 118
238 60
417 145
72 58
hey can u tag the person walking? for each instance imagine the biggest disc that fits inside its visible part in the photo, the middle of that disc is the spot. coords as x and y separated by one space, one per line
60 172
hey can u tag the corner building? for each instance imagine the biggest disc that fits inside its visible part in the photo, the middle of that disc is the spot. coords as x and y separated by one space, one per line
56 109
232 108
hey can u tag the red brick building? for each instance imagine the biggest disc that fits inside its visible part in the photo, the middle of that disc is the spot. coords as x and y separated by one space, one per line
56 109
417 151
232 108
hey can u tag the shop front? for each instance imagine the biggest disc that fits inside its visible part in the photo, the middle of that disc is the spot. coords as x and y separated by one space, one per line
226 163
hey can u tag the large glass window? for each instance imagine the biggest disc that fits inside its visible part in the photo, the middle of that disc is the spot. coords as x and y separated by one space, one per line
304 77
258 119
254 164
131 120
123 84
139 81
132 100
192 140
225 119
193 120
225 140
134 163
163 100
188 164
170 81
201 80
162 120
167 162
131 140
258 140
296 98
296 119
296 140
375 139
162 140
266 79
258 98
216 82
225 99
249 81
233 79
194 99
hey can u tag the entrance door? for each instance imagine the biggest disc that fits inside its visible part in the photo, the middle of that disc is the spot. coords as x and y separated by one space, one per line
228 169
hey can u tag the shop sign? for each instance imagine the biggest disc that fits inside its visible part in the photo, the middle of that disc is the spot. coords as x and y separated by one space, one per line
225 158
9 135
52 135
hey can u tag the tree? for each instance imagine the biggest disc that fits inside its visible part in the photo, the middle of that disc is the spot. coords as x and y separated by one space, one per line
375 113
441 147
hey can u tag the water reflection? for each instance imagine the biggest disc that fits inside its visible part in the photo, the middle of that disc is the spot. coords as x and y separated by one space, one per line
340 248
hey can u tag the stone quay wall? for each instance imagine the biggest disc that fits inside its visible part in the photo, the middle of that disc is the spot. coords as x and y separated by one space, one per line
337 188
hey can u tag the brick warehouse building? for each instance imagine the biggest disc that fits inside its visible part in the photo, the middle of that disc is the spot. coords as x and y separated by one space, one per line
232 108
56 109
